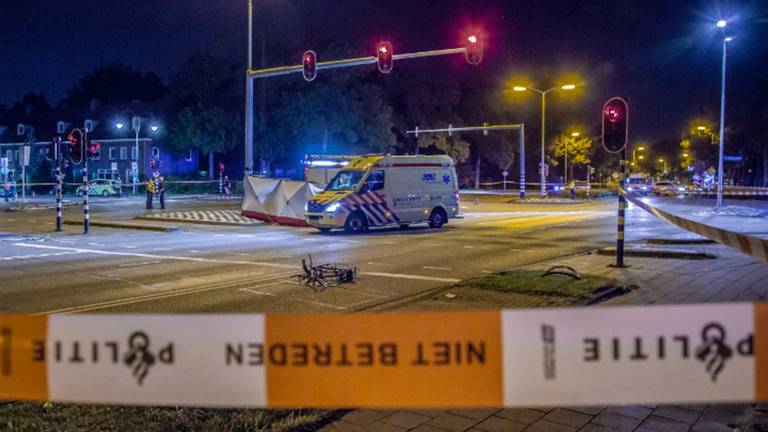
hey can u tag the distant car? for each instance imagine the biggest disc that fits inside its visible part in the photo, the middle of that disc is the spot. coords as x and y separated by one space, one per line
582 186
100 187
638 186
668 188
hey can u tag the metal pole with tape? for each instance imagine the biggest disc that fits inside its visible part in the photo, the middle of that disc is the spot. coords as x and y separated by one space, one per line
614 133
86 209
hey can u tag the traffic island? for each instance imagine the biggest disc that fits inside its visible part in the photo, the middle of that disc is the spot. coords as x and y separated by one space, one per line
124 225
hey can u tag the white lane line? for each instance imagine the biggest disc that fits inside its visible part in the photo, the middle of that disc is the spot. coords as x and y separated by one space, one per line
161 249
516 250
218 261
413 277
378 263
437 268
488 272
96 244
138 264
160 257
154 296
469 247
195 251
389 242
129 246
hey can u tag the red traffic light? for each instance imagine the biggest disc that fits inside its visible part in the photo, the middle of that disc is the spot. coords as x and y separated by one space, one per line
384 59
615 124
474 49
221 166
94 150
309 63
75 139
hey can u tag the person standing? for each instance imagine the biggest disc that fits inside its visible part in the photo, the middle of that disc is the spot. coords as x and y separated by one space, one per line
150 192
161 191
7 189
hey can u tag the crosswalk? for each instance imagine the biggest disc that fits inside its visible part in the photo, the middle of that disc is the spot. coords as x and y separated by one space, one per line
223 217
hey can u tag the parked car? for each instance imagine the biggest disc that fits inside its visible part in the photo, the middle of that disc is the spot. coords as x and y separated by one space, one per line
100 187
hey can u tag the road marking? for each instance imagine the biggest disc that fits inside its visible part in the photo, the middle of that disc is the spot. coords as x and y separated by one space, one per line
195 251
516 250
469 247
129 246
378 263
96 244
138 264
413 277
389 242
437 268
45 255
154 296
488 272
220 261
161 249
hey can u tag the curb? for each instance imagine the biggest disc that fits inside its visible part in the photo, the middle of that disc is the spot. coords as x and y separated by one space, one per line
42 207
663 241
155 228
192 221
658 253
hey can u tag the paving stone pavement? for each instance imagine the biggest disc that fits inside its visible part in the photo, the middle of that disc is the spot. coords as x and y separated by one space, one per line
730 277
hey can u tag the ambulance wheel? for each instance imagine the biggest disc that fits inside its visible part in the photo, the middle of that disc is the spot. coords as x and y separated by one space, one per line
437 218
356 223
105 193
325 230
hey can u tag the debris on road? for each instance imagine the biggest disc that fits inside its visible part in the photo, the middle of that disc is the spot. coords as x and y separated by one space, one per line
562 270
320 277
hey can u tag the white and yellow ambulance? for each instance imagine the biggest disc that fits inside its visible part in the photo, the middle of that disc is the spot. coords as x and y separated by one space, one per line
374 191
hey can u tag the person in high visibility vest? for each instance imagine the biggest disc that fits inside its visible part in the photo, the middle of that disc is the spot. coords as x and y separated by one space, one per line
150 192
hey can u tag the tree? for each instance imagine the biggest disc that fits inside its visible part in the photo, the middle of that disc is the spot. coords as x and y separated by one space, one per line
335 113
115 84
577 148
207 99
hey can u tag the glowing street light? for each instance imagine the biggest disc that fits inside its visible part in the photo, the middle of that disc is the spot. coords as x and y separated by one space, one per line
575 134
119 125
136 126
722 23
543 93
635 157
701 128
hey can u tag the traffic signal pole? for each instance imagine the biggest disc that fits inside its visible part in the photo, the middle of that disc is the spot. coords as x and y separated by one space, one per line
57 155
86 210
622 208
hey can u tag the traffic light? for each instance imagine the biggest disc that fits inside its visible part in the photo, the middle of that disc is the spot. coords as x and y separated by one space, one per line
615 124
474 49
384 58
75 139
94 150
309 63
221 167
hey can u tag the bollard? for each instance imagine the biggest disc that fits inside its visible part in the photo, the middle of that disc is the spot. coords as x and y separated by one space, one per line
58 197
86 221
622 207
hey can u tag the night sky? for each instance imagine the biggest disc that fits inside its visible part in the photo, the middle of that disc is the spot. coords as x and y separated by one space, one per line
663 55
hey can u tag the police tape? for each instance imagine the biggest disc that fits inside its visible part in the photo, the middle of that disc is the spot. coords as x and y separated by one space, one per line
753 246
544 357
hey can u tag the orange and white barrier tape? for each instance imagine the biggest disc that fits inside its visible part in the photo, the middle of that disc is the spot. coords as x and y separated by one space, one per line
750 245
580 356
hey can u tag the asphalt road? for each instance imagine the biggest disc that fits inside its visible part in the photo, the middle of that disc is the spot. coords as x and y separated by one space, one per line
204 268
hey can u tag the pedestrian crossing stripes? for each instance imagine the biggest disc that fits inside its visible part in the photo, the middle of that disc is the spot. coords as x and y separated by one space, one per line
225 217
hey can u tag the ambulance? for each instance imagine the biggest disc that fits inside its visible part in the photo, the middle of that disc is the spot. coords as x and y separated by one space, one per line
376 191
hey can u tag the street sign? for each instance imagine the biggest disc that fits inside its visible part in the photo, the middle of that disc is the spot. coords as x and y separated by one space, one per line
4 162
134 165
113 166
733 158
505 173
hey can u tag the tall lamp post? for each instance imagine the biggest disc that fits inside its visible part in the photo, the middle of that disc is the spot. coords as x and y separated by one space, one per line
721 24
634 157
543 94
136 126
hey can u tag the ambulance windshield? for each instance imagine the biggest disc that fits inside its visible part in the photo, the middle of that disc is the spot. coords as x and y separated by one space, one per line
345 180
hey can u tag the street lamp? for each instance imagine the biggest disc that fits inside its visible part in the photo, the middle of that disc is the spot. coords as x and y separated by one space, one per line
634 157
136 126
663 161
721 24
543 94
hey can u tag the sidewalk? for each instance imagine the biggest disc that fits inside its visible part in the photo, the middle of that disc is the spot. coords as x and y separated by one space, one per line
730 277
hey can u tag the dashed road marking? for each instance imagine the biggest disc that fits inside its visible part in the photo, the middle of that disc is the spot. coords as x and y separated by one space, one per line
469 247
378 263
437 268
129 246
